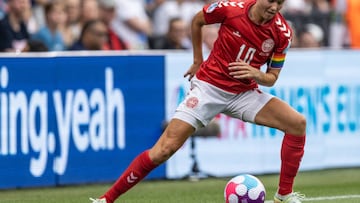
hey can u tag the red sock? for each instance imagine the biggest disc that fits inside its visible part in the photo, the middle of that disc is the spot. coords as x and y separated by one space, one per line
140 167
292 151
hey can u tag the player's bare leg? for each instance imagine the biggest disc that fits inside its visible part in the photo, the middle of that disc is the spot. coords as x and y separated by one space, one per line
174 136
277 114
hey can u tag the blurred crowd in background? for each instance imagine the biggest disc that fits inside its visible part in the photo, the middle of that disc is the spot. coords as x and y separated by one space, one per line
59 25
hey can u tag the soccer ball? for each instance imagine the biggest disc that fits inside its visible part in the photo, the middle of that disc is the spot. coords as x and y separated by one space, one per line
244 188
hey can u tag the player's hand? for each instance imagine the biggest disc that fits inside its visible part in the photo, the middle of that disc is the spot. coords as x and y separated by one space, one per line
192 71
242 70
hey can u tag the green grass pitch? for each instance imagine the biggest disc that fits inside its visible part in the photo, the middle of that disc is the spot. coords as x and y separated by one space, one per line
332 186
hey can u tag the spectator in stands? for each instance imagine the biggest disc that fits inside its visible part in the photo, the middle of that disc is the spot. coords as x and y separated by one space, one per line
88 11
2 8
71 29
13 30
38 13
73 11
107 15
51 34
297 7
353 20
152 5
302 12
35 46
93 36
132 23
32 23
184 9
176 37
311 36
338 34
320 15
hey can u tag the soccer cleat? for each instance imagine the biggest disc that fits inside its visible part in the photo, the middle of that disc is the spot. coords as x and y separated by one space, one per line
102 200
293 197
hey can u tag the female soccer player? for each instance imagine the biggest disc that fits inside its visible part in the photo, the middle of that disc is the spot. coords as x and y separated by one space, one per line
252 33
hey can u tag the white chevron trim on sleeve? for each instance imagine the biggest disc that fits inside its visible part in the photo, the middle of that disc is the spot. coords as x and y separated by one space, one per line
282 27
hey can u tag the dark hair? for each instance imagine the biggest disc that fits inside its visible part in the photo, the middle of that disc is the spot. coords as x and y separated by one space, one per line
174 19
87 26
36 46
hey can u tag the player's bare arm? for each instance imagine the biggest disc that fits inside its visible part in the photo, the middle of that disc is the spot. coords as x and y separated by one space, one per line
197 23
242 70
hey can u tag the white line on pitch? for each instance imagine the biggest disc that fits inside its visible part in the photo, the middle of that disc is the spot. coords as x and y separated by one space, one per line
326 198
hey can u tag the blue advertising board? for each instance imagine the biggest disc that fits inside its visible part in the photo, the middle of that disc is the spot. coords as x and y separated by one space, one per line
77 119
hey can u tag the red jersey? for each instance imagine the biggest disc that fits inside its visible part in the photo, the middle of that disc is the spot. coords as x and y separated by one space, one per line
240 38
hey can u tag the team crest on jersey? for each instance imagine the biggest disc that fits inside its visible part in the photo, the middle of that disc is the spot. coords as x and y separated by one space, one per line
268 45
192 102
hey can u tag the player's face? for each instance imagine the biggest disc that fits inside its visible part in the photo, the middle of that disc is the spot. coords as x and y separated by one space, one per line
269 8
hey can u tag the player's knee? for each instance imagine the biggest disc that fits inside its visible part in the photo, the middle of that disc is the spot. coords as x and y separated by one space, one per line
302 123
299 127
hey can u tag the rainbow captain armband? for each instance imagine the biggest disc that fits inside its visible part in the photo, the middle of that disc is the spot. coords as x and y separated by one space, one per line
277 60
